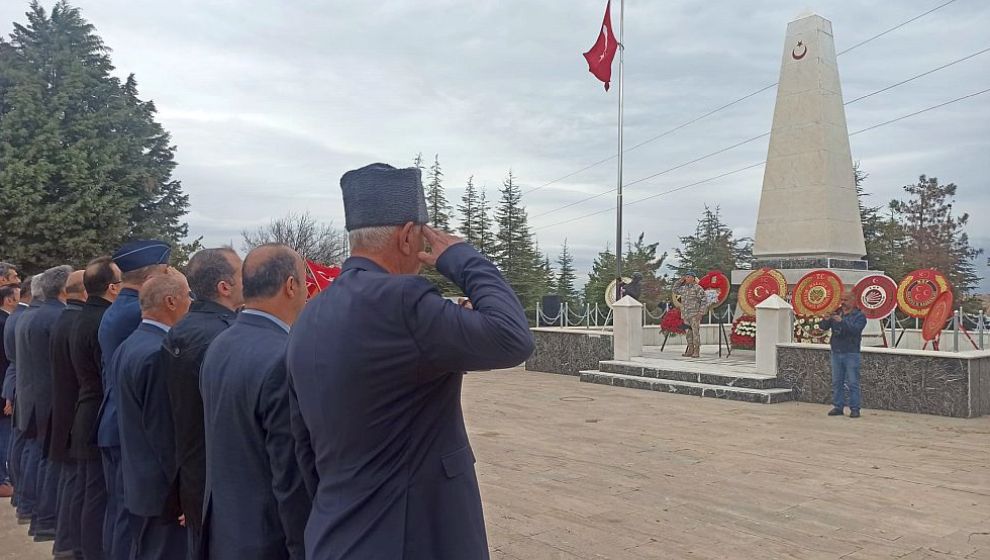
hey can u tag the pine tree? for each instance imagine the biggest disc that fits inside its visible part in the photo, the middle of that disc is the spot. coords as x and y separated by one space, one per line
642 257
418 161
514 251
486 233
934 236
436 199
564 286
548 278
601 275
712 247
469 210
84 166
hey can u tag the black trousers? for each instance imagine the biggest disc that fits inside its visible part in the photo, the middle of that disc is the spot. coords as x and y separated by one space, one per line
93 489
158 538
68 505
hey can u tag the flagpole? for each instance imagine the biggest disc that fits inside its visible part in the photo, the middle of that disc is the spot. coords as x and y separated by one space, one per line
618 198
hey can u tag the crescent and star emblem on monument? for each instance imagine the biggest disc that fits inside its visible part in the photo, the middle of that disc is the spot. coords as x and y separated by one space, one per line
795 54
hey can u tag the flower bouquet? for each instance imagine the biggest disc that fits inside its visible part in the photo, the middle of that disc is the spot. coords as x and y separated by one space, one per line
672 322
744 332
806 330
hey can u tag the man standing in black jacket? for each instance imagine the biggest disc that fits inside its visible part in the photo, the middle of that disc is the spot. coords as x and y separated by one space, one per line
215 279
102 281
65 391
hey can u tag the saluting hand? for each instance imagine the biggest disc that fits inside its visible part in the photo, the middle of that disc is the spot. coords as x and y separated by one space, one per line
439 242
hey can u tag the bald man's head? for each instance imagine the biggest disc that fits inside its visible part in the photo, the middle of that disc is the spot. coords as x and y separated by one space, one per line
274 278
165 298
266 269
74 286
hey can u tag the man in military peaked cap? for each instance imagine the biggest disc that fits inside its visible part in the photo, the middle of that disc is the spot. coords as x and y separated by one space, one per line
138 261
377 361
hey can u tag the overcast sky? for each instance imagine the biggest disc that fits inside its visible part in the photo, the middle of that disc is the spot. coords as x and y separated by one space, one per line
271 102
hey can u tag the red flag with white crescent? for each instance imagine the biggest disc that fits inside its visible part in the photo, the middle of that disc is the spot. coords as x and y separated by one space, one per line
603 51
318 277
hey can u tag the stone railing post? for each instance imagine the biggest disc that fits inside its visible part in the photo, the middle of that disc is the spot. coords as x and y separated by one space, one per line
774 325
627 328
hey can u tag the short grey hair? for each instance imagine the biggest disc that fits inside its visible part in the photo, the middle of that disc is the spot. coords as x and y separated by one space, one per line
53 280
34 283
371 238
5 269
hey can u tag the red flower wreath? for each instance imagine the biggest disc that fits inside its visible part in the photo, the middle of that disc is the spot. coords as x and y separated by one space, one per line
672 322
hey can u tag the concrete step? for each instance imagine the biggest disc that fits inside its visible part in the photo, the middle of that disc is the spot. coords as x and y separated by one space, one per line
745 394
690 371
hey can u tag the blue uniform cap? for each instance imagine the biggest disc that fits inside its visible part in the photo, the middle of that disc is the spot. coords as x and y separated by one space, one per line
139 254
382 195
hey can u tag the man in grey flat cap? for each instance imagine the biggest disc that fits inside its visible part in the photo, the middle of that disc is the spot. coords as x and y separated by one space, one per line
377 361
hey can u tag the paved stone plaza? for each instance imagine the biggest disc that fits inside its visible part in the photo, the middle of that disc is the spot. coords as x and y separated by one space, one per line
576 470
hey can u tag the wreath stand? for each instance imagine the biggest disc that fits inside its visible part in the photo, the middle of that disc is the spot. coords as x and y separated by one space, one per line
723 335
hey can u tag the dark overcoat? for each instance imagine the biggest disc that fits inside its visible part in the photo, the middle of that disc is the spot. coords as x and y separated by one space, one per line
87 361
250 444
65 387
377 362
185 344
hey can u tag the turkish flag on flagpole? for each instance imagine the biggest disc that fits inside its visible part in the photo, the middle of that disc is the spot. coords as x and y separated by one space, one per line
603 51
318 277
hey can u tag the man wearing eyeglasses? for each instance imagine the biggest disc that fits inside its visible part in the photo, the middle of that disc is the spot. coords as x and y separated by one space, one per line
102 279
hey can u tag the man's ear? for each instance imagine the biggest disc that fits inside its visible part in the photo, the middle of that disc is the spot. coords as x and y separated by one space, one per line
406 238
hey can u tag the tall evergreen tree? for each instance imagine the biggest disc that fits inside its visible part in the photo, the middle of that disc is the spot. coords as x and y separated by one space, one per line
470 210
566 277
514 250
436 199
83 163
712 247
418 161
486 230
642 257
935 236
601 275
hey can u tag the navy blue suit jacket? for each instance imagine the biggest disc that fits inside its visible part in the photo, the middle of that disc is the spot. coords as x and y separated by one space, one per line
118 322
250 445
377 362
10 349
34 368
146 443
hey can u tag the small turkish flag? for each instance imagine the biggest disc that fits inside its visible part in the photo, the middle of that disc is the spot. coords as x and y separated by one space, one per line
603 51
318 277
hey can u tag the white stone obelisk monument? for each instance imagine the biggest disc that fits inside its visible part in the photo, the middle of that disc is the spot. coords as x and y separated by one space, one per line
809 212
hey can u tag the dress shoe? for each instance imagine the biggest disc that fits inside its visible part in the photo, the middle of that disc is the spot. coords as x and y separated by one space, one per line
6 491
64 554
835 412
854 414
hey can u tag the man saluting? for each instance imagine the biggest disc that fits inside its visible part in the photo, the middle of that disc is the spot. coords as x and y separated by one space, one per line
377 360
